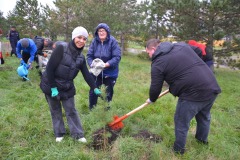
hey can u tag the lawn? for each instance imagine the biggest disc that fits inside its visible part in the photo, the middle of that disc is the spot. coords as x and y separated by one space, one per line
26 128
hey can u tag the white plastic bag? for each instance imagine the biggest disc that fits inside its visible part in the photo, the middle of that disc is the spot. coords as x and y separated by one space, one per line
97 66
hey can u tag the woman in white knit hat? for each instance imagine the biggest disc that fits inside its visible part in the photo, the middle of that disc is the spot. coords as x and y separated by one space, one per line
58 86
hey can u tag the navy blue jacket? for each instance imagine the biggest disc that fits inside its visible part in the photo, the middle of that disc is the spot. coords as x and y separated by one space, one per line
108 51
187 75
14 36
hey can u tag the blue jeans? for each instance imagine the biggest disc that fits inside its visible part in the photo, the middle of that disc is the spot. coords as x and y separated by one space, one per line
185 111
109 83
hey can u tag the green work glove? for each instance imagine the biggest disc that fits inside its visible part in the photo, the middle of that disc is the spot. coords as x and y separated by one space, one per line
97 92
54 92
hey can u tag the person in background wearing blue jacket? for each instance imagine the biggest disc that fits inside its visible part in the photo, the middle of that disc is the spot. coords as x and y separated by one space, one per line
28 49
13 38
105 47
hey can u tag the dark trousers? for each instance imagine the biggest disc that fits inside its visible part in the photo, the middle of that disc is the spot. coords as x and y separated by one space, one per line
109 83
185 111
13 46
72 116
36 58
25 57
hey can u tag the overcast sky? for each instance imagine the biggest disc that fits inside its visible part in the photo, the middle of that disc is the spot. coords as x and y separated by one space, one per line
8 5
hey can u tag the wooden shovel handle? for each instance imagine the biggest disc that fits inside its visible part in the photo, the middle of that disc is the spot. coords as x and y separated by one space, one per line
145 104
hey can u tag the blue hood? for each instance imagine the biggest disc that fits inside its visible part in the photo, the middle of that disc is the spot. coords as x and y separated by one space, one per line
104 26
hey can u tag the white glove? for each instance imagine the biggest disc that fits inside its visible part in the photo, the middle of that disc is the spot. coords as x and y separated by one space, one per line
149 101
97 66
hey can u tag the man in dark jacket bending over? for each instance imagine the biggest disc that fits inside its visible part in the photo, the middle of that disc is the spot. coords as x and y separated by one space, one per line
190 79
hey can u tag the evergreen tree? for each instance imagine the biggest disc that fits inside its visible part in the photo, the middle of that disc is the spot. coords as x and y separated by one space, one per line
64 18
3 25
120 15
28 17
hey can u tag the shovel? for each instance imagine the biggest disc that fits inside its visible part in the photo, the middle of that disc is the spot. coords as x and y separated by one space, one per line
117 123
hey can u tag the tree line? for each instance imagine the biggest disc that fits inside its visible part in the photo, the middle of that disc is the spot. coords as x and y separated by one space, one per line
201 20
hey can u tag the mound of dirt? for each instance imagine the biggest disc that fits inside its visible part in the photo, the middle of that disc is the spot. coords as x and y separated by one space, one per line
104 137
146 135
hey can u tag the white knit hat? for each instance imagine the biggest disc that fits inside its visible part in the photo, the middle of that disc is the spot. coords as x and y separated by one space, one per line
79 31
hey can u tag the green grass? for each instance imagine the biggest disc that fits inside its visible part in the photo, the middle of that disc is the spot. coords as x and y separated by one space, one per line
135 45
26 127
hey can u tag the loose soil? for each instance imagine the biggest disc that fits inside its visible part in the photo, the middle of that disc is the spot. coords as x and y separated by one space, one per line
146 135
104 137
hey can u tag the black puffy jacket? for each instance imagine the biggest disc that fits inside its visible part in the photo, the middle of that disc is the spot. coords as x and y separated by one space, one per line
39 41
70 64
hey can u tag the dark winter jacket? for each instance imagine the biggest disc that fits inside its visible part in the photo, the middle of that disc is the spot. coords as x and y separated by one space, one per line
39 41
198 51
108 51
187 75
65 63
14 36
209 53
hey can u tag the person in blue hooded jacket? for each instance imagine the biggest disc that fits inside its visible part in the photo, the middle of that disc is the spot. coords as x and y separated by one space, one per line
105 47
28 49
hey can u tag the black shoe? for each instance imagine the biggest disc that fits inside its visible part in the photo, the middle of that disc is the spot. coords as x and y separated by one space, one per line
202 142
178 150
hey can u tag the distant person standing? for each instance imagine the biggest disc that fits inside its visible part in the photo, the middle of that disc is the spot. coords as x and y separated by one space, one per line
13 38
104 47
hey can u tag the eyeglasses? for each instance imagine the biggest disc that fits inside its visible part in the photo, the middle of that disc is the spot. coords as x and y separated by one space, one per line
102 31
